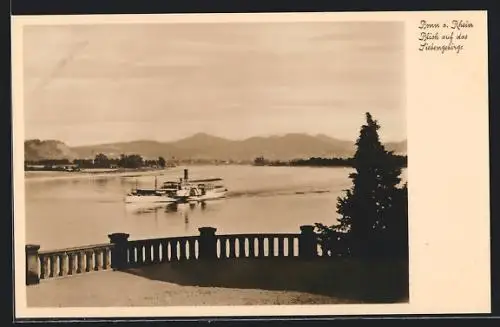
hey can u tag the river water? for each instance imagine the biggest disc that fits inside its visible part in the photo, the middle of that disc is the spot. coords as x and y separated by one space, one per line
79 211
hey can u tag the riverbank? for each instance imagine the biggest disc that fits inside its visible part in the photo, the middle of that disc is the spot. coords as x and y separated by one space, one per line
34 176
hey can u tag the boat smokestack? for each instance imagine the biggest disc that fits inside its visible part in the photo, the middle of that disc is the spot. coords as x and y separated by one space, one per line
186 174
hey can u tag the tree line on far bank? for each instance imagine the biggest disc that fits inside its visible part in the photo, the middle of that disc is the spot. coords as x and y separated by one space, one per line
100 161
401 161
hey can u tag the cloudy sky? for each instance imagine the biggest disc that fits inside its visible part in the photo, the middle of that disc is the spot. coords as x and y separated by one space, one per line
87 84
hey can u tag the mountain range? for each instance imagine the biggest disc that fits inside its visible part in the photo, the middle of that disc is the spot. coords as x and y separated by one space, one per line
205 146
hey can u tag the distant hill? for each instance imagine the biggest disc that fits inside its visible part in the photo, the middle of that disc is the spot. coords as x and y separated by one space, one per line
205 146
397 147
48 149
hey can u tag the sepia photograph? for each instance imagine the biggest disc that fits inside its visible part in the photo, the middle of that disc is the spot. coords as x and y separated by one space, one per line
216 163
236 142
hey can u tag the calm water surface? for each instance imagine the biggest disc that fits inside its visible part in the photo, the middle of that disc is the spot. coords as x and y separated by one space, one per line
73 212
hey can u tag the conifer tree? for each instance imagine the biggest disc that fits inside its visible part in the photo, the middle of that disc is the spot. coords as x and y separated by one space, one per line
373 213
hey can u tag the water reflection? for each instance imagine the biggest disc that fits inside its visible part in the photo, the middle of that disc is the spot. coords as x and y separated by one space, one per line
101 184
182 211
124 182
170 209
137 208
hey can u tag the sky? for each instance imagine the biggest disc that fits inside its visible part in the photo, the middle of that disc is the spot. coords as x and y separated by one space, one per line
90 84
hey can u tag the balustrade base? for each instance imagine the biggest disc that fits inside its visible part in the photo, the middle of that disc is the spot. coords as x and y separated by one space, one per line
32 278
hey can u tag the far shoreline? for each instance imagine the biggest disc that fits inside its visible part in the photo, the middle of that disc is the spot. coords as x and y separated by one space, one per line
34 176
47 175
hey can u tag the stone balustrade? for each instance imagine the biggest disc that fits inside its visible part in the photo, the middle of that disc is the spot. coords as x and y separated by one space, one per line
122 253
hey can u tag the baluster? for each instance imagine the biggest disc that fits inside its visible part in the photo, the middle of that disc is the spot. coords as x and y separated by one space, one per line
173 250
296 246
129 255
265 247
270 246
153 249
155 252
182 249
43 266
53 266
231 247
242 247
168 254
159 251
251 247
260 245
134 256
74 257
187 248
134 252
97 259
218 248
62 264
105 260
88 261
147 250
227 247
140 253
281 246
71 263
224 248
236 242
80 263
192 249
290 246
276 246
164 251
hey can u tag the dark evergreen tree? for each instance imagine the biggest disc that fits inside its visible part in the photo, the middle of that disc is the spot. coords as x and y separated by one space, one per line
373 213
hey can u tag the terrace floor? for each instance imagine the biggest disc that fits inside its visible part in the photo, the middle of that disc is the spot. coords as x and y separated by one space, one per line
110 289
245 282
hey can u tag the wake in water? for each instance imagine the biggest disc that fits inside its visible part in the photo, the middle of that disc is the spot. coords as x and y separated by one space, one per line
185 207
267 193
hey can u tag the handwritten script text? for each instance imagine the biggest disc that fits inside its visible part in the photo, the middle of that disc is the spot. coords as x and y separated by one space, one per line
443 37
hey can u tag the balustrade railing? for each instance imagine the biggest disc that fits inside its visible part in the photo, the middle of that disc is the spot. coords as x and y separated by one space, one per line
161 250
73 261
257 245
122 253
